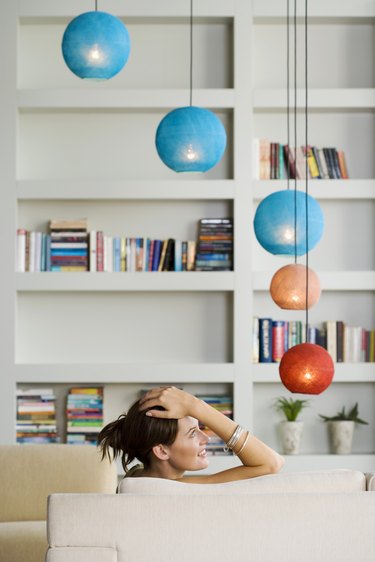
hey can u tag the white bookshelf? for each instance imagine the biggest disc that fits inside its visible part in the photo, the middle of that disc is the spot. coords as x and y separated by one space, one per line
127 331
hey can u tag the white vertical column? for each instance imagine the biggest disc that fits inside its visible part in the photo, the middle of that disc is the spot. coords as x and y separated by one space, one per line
243 211
8 120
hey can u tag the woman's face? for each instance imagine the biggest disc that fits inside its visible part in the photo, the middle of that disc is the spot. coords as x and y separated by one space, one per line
188 452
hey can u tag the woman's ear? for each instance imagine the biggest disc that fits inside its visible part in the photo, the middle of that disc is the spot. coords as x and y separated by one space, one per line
161 452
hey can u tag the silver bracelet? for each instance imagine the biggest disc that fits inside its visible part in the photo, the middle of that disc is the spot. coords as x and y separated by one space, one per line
233 439
244 443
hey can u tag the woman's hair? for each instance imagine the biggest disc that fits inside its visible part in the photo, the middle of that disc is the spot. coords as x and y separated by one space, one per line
133 435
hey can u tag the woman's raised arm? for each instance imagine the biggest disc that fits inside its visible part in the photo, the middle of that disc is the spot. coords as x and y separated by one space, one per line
257 458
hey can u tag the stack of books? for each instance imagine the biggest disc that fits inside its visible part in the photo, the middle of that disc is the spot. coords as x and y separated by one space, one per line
69 245
36 416
223 404
215 245
84 414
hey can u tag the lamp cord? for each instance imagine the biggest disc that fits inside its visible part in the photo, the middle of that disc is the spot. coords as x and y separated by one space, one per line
295 131
191 53
96 5
287 90
307 175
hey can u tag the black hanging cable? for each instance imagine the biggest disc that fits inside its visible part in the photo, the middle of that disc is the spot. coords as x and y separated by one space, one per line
307 176
96 5
295 131
191 53
287 92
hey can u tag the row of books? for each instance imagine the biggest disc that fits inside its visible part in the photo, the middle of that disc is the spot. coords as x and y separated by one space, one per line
115 254
36 416
71 247
223 404
276 161
345 343
84 415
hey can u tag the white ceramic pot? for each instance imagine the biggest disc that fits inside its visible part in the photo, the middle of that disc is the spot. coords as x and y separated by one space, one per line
290 433
341 436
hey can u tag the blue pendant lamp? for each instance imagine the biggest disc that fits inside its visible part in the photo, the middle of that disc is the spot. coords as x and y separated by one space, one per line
190 139
96 45
280 223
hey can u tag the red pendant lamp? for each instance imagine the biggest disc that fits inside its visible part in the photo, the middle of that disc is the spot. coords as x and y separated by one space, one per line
305 368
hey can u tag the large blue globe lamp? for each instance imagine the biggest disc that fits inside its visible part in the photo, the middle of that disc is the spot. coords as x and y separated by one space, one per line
96 45
280 221
190 139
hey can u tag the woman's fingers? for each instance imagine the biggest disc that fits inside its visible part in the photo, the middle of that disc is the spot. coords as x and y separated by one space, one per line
160 394
159 414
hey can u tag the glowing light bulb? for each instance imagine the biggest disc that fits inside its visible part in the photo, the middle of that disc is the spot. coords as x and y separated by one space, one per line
191 154
308 376
95 55
288 234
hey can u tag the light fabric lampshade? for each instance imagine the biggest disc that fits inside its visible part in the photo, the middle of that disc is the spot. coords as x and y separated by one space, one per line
274 223
190 139
96 45
288 287
306 369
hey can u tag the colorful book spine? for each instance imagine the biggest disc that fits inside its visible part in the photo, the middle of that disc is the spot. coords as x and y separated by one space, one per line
265 340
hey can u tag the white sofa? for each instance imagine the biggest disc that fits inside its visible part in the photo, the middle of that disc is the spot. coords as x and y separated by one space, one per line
311 517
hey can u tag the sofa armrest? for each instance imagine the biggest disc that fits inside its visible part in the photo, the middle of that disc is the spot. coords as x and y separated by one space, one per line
370 481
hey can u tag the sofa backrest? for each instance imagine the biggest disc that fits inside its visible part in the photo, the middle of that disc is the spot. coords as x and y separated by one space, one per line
29 473
287 527
308 481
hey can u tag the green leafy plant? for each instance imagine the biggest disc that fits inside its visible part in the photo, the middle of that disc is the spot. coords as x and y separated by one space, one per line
289 407
352 415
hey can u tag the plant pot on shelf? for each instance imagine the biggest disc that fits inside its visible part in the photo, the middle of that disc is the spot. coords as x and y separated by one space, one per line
341 436
291 433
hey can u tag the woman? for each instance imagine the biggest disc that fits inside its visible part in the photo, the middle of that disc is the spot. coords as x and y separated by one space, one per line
161 430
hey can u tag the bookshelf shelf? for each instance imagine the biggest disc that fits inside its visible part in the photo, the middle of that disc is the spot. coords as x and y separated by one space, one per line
119 190
344 373
147 9
319 99
120 100
352 189
330 280
139 281
328 462
137 373
335 9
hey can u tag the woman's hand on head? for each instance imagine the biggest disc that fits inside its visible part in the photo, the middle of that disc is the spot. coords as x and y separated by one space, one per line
176 403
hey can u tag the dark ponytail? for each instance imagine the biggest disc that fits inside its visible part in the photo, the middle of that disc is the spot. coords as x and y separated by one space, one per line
133 435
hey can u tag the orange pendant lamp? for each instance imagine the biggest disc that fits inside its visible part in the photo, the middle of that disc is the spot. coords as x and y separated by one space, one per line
288 287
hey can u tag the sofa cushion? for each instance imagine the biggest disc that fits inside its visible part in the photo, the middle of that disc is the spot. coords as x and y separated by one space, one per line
313 481
23 541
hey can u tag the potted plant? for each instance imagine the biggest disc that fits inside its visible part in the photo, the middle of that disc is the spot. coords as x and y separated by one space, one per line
291 428
341 429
